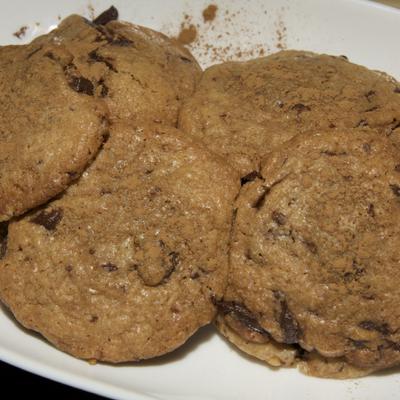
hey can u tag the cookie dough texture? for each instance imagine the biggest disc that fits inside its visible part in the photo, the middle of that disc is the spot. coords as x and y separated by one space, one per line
242 110
314 254
124 266
142 74
49 129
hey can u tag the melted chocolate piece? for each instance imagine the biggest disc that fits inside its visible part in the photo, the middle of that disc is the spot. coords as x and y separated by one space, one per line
289 325
368 325
109 267
299 107
81 85
3 238
48 220
241 313
106 16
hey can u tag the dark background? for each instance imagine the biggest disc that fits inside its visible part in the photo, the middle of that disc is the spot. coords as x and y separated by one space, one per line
21 383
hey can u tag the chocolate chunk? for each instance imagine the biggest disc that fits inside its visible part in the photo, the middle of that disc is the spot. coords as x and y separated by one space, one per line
241 313
94 318
104 90
106 16
109 267
81 85
258 204
287 322
250 177
121 41
358 344
3 238
371 210
48 220
333 153
368 325
278 217
96 57
395 189
299 107
332 125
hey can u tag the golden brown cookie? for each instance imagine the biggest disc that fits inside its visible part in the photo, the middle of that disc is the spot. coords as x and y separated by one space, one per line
125 265
142 74
314 254
51 125
242 110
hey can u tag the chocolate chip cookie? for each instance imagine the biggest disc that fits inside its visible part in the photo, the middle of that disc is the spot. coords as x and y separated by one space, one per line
314 254
242 110
127 264
142 74
51 124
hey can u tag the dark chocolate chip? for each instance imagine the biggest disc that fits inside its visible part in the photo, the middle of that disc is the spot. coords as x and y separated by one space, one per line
250 177
287 322
3 238
81 85
121 41
73 174
109 267
395 190
368 325
333 153
48 220
299 107
241 313
359 344
94 318
96 57
278 217
371 210
106 16
332 125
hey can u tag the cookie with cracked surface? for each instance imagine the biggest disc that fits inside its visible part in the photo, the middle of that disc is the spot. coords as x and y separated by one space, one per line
242 110
51 125
314 254
143 74
124 266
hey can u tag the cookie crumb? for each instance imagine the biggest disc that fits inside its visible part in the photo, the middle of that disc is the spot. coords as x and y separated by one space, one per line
210 13
20 33
187 35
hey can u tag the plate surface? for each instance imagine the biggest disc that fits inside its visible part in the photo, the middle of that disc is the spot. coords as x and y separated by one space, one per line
207 367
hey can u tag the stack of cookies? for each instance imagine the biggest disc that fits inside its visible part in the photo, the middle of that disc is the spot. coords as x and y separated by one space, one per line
141 198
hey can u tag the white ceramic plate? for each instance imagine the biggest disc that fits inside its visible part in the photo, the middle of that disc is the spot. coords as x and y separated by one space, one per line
207 367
